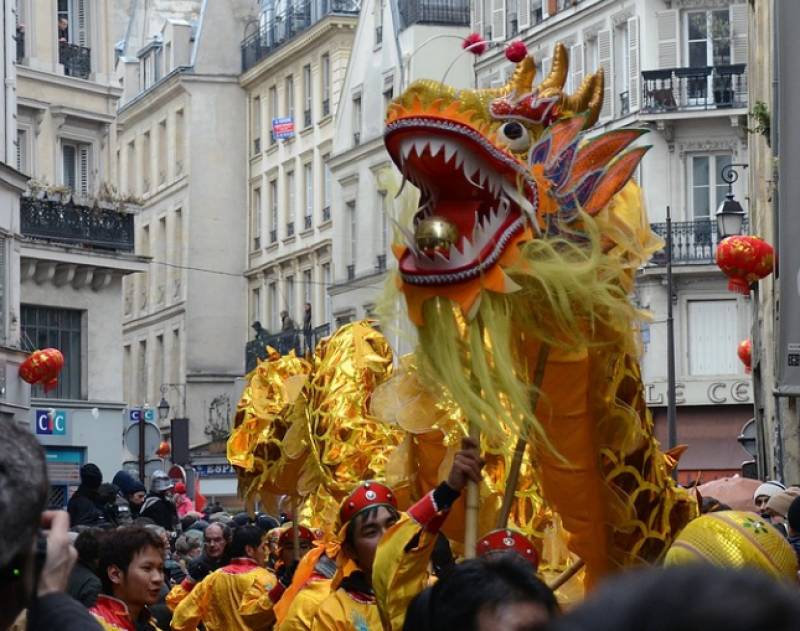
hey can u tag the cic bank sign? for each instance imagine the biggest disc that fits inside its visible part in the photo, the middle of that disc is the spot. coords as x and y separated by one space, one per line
696 392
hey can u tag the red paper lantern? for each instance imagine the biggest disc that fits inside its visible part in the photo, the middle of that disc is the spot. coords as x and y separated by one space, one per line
744 259
475 44
42 367
745 352
516 51
164 449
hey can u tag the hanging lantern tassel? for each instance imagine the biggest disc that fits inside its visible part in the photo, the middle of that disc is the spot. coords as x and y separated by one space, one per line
745 352
744 259
42 367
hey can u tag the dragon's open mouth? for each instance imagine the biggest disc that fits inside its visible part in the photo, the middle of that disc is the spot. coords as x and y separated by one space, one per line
478 189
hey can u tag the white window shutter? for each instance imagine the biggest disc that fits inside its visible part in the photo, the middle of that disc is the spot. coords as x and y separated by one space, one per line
547 63
477 17
739 36
83 169
499 20
81 22
605 60
576 66
634 80
523 14
667 24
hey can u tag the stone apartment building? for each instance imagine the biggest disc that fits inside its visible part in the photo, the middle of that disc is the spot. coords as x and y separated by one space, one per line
680 70
74 240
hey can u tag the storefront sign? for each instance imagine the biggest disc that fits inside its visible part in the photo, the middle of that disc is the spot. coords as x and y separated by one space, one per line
722 392
51 422
221 470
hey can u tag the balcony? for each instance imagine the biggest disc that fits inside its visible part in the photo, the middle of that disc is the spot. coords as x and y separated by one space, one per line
624 103
76 225
290 229
75 59
682 89
380 263
693 242
307 222
306 119
351 271
273 236
298 17
256 146
326 214
326 107
378 35
442 12
20 38
302 342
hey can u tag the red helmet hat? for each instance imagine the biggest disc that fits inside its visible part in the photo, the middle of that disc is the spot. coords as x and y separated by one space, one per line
180 487
366 495
287 536
504 540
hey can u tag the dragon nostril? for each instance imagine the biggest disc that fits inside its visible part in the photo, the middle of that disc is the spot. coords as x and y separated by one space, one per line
512 130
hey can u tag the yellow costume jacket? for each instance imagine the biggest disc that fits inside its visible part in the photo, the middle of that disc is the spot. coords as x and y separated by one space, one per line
215 600
306 604
113 615
348 610
178 593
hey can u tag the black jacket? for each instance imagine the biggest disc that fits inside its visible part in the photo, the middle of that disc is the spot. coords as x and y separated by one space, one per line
59 611
84 585
83 509
161 511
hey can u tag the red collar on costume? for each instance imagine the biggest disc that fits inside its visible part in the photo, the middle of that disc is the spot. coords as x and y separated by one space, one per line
114 612
240 565
355 585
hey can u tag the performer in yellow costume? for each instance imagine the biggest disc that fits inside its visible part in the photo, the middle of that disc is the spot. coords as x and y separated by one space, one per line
216 600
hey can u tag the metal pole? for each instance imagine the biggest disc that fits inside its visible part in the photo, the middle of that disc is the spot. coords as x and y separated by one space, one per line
671 412
141 450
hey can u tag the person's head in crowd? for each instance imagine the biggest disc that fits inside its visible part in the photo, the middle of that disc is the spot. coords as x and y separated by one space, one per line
91 476
266 522
131 567
130 488
216 507
200 525
180 488
689 598
778 505
240 519
250 542
221 518
188 547
187 521
793 518
485 594
286 543
217 538
712 505
87 544
368 512
163 537
23 494
161 484
736 540
765 491
504 541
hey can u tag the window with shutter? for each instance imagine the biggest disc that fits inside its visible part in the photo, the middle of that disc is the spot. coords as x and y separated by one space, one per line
667 29
498 20
576 66
81 22
712 339
739 41
3 280
477 17
605 60
83 169
69 160
634 83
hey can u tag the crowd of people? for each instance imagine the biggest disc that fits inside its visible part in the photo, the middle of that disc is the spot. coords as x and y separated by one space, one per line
126 557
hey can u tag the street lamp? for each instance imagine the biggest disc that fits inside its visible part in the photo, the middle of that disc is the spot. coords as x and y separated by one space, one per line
163 409
163 405
730 214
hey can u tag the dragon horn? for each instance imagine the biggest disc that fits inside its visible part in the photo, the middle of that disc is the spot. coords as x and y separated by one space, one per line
522 80
589 96
558 71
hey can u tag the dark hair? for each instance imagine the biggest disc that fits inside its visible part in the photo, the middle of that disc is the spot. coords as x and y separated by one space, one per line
23 490
88 546
245 536
365 515
690 598
475 586
119 547
187 521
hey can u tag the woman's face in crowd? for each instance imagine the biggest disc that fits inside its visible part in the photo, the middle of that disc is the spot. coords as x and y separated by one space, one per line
141 584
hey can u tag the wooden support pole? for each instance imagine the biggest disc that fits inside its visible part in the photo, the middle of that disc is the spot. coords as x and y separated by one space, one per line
296 527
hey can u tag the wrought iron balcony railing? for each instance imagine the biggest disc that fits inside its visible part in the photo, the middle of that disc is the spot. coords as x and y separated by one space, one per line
20 38
77 60
326 107
444 12
624 103
326 213
351 271
301 341
307 222
306 118
273 236
290 229
711 87
76 225
380 263
297 17
693 242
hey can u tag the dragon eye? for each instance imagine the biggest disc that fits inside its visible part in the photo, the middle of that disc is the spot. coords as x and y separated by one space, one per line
515 136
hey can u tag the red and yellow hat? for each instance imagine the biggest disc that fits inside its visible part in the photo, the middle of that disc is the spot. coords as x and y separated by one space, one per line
504 540
287 537
366 495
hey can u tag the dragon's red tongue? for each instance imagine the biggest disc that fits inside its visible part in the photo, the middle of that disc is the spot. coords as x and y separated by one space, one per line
461 213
